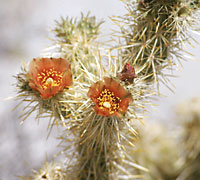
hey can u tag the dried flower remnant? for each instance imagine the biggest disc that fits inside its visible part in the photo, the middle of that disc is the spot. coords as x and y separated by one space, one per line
49 76
110 97
127 74
144 2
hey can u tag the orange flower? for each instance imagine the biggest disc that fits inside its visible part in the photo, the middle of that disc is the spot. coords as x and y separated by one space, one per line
110 97
49 76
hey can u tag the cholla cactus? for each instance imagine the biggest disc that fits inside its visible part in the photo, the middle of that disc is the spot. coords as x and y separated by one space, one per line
50 171
153 33
169 153
189 119
105 108
98 96
156 150
76 41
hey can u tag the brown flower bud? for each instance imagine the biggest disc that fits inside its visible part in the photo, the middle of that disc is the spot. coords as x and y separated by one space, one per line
127 74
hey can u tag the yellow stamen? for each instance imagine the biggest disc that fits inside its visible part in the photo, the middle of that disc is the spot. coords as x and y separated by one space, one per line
48 78
108 101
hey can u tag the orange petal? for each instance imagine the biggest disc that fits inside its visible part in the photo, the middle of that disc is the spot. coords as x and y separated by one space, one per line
124 104
119 114
33 85
115 87
95 90
37 65
46 94
49 92
67 79
102 112
60 64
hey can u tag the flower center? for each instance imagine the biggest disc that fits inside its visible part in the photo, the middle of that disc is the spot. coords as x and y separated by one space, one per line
107 100
107 104
49 81
49 78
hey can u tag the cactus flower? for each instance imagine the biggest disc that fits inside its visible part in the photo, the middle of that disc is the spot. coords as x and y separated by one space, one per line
49 76
110 97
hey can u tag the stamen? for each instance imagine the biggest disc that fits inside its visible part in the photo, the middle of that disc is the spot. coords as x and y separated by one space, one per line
48 78
107 100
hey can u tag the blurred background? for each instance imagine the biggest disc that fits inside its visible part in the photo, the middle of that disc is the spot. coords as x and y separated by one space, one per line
24 31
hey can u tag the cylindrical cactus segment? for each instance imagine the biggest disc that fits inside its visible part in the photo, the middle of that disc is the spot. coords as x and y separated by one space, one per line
154 31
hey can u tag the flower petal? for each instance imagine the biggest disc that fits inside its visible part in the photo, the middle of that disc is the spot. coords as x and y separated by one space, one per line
49 92
60 64
102 112
38 65
67 79
124 104
115 87
95 90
